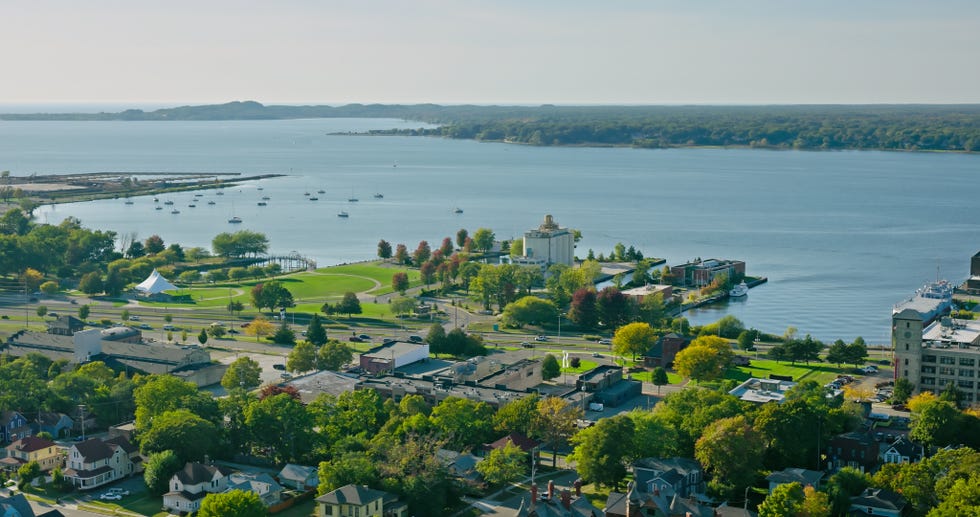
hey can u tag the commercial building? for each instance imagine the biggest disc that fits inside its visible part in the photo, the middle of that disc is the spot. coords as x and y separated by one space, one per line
702 272
550 242
933 357
388 357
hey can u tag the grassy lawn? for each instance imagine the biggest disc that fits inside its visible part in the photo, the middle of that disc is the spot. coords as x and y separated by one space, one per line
762 368
647 376
582 367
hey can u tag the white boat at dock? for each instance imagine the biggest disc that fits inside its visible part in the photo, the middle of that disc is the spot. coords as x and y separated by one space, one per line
739 290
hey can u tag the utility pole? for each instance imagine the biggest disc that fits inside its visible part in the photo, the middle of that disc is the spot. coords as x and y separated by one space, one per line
81 413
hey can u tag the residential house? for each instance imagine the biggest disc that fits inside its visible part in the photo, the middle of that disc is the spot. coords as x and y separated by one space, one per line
662 352
192 483
95 462
528 445
636 502
554 503
461 465
43 451
259 483
360 501
57 424
300 477
13 426
794 475
902 450
855 449
877 501
18 506
681 476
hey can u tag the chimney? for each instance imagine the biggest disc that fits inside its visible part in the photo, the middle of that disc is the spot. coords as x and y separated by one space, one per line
566 499
551 490
578 487
534 493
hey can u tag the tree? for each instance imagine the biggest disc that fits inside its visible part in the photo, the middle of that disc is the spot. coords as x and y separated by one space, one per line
160 467
32 279
271 295
239 503
746 340
384 249
124 314
935 423
556 422
284 335
613 307
189 436
315 333
153 244
427 272
518 415
243 373
550 367
653 436
786 500
483 239
635 338
463 422
583 309
837 353
529 310
91 283
333 355
732 452
857 351
302 358
281 425
503 465
399 282
421 253
653 310
402 305
706 358
41 311
83 312
461 237
660 378
28 472
845 484
447 247
436 338
202 337
350 468
401 255
49 287
902 391
349 304
601 450
259 327
691 410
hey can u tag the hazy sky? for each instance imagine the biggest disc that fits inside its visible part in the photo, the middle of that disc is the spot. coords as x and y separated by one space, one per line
504 51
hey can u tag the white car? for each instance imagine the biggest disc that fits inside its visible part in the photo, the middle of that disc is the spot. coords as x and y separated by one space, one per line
111 497
120 491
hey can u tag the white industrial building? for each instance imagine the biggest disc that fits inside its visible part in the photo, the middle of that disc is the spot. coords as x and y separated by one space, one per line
549 242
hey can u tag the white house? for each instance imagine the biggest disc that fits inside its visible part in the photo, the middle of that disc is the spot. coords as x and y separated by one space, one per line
95 462
192 483
300 477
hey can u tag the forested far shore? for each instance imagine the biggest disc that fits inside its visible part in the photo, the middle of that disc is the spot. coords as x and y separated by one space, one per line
831 127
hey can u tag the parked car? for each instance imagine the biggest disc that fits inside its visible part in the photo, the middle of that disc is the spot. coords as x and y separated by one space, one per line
286 376
279 366
527 345
540 338
415 339
169 327
355 339
117 490
365 337
388 340
134 318
596 354
110 497
53 314
605 341
146 326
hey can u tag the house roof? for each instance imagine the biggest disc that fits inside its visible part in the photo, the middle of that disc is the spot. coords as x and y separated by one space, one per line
187 496
7 416
684 466
18 503
86 474
66 322
196 473
50 418
904 447
296 472
802 476
879 498
526 444
352 494
93 449
121 441
30 444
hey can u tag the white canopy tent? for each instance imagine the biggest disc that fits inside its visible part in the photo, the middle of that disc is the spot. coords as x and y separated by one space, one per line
155 283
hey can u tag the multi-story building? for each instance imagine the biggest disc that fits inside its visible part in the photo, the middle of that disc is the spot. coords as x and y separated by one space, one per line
702 272
43 451
95 462
554 244
933 357
192 483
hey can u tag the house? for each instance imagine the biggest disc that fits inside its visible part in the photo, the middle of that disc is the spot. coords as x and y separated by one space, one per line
526 444
637 502
192 483
13 426
57 424
258 483
555 503
681 476
793 475
662 352
461 466
300 477
877 501
902 450
855 449
95 462
31 448
360 501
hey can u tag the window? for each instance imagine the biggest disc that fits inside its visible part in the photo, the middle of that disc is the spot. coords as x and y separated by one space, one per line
928 359
928 369
966 373
930 381
945 370
328 509
966 384
947 360
906 361
967 362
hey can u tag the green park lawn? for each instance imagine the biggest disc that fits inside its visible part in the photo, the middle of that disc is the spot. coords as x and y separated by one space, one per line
762 368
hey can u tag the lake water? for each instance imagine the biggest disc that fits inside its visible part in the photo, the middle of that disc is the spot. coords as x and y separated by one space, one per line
842 236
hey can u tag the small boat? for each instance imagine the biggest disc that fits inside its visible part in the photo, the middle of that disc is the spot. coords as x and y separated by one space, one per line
306 193
159 208
210 202
198 195
128 202
168 202
739 290
235 220
260 188
314 198
343 214
156 200
321 191
265 198
352 199
219 193
175 211
458 210
379 196
262 203
192 205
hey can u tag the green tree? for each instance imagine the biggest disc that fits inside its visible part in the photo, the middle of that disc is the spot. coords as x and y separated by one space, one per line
154 244
461 237
786 500
239 503
963 498
302 358
28 472
857 351
271 295
653 436
746 340
349 305
354 467
732 452
935 423
517 415
556 422
402 305
49 287
384 249
632 339
282 425
706 358
235 306
315 333
202 337
284 335
503 465
601 450
189 436
659 377
160 467
463 422
243 373
161 393
691 410
483 239
845 484
41 311
83 312
837 353
550 367
902 391
529 310
333 355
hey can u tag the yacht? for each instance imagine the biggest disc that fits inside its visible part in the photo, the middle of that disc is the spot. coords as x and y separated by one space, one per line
321 191
159 208
235 220
192 205
211 202
343 214
379 196
314 198
458 210
219 193
129 202
739 290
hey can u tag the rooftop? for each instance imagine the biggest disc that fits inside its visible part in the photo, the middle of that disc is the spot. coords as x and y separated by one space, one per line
953 333
398 348
762 390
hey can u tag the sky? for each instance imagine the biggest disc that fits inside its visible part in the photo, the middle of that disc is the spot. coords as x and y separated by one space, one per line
144 53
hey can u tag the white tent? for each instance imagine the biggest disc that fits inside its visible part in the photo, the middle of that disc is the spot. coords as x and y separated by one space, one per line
155 283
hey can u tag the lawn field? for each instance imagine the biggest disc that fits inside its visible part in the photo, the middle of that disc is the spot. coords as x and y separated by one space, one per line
762 368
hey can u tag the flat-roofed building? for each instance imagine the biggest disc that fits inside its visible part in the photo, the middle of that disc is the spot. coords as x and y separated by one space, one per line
702 272
554 244
761 391
389 357
943 353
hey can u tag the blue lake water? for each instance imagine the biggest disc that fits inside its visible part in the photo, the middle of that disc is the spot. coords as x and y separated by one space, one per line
842 236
